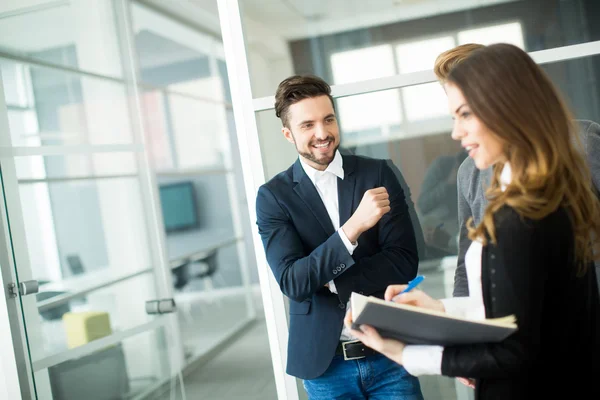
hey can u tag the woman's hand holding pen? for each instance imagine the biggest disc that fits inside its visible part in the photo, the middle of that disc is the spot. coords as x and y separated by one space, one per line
414 297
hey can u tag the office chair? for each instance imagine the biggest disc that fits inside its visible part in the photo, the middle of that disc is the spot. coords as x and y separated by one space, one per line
211 267
183 277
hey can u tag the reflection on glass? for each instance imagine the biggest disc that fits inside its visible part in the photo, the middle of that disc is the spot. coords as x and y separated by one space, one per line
198 131
50 107
383 107
426 101
84 226
173 56
68 324
362 64
420 55
74 166
578 82
79 34
125 370
373 111
306 37
206 311
506 33
155 119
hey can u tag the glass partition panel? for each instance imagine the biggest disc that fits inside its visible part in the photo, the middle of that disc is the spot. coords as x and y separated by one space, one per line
75 34
309 37
198 132
48 106
579 82
84 226
173 56
111 304
125 370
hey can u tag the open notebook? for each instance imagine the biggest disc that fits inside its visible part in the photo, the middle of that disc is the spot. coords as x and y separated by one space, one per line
417 325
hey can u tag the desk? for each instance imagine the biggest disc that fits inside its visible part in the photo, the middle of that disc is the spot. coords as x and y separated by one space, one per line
181 248
191 244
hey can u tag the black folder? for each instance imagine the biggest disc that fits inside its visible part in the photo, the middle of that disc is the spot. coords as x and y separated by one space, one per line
416 325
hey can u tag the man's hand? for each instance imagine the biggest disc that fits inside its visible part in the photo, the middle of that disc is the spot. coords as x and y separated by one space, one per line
374 204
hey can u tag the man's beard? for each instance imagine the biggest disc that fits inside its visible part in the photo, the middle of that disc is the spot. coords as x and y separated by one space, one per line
320 161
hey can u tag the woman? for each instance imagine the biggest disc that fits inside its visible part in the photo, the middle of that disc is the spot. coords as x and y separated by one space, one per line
531 256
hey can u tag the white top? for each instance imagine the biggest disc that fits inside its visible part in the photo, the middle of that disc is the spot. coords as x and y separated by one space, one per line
326 184
427 360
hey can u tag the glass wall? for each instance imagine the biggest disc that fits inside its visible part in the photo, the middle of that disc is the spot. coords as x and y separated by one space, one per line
379 57
128 184
184 92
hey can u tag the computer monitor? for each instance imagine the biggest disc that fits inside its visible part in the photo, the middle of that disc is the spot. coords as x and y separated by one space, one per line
179 206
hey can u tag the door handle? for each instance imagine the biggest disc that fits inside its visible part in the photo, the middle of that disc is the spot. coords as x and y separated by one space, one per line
25 288
163 306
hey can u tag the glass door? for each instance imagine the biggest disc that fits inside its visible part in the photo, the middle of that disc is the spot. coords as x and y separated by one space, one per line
86 261
94 310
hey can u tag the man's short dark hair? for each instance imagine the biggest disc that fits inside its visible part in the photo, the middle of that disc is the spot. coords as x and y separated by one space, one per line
297 88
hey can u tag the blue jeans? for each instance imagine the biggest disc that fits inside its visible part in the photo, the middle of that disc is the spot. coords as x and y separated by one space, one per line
375 377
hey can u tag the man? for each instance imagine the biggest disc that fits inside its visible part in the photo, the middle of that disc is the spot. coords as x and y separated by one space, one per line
331 225
472 182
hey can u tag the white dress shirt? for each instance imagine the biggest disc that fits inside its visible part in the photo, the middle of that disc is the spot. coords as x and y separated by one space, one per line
427 360
326 184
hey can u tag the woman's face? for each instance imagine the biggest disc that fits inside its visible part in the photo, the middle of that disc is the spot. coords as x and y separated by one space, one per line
478 140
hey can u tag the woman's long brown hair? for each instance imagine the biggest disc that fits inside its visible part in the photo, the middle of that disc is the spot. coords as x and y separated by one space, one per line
516 100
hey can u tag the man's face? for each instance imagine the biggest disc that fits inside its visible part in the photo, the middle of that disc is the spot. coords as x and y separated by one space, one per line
313 129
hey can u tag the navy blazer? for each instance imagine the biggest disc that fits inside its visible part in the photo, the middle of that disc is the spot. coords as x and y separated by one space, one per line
305 252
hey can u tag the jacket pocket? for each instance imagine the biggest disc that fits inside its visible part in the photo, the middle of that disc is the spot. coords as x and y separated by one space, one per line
299 308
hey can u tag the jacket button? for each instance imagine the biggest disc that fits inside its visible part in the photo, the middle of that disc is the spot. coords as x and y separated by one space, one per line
335 272
342 306
493 285
493 298
493 256
343 265
493 271
339 269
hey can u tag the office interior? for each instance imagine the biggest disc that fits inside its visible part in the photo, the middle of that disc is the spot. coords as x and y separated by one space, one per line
134 135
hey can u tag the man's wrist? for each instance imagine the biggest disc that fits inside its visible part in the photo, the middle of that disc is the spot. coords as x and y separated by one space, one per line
351 232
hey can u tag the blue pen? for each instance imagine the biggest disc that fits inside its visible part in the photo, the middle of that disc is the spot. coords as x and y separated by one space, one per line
411 285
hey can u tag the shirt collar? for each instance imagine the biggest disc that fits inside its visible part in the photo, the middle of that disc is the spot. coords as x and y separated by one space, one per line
335 167
505 176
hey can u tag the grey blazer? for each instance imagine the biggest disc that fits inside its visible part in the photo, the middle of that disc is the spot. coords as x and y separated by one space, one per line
472 184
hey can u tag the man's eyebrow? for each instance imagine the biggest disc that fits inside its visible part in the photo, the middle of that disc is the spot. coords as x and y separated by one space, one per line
307 121
312 121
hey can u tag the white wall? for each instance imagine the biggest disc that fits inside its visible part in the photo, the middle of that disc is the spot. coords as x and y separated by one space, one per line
270 63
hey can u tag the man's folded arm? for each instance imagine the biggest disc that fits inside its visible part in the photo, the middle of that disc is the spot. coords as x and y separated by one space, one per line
299 275
397 261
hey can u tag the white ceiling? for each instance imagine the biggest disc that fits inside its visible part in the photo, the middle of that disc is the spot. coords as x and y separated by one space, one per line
295 19
267 21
